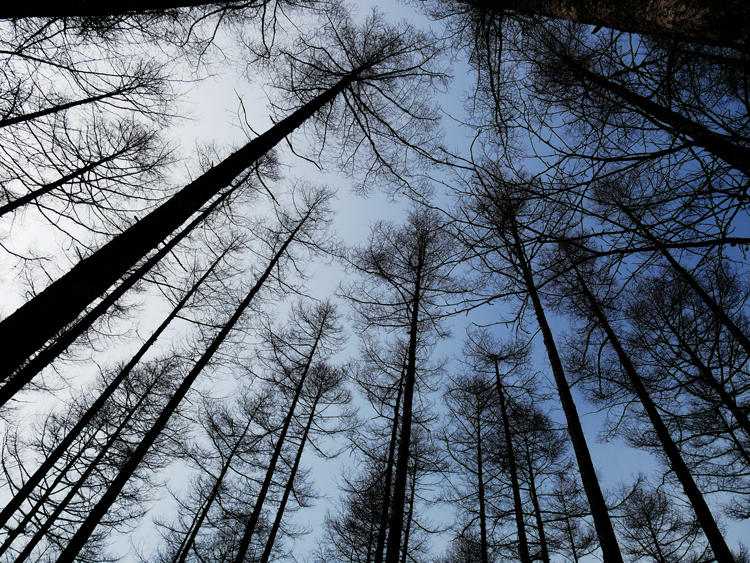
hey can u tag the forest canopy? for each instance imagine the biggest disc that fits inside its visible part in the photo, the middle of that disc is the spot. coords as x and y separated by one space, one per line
299 280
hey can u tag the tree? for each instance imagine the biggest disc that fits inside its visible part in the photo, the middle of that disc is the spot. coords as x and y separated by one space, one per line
406 279
496 234
398 57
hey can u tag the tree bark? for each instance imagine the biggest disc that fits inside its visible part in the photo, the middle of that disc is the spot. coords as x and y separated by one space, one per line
523 543
92 411
537 509
247 536
24 375
29 327
388 477
76 543
705 22
410 514
691 282
602 523
289 485
718 144
480 487
702 511
395 527
29 547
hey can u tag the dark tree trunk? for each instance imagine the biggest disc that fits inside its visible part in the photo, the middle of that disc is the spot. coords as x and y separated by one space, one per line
396 524
523 543
480 487
92 411
725 24
195 525
289 485
84 532
702 511
90 468
61 343
388 476
47 188
602 523
8 121
29 327
247 536
89 8
718 144
544 550
13 533
410 514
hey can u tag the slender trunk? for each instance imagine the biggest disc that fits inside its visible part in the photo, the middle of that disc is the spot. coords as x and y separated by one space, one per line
93 465
110 495
537 509
396 524
569 530
14 532
29 327
410 514
289 484
704 22
691 282
247 536
92 411
47 188
702 511
602 523
195 526
388 477
47 355
480 487
720 145
523 543
8 121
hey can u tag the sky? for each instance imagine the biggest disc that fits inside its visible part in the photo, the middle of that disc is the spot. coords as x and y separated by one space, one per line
213 106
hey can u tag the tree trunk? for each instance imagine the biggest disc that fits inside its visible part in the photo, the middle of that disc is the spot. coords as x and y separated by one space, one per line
705 22
537 509
702 511
29 547
47 188
388 476
247 536
201 515
29 327
480 487
8 121
92 411
88 8
720 145
13 533
602 523
81 536
410 514
48 354
289 485
396 524
523 543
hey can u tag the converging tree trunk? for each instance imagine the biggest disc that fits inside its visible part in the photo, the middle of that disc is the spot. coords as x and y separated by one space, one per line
702 511
33 481
110 495
599 512
27 329
523 543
